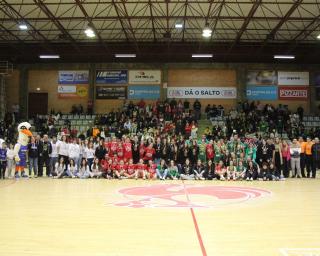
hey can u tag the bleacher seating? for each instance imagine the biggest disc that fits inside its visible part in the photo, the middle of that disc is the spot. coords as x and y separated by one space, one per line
311 121
308 121
79 122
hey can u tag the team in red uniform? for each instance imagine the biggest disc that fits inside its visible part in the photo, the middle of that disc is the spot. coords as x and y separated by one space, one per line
131 170
149 152
120 170
127 148
141 170
151 170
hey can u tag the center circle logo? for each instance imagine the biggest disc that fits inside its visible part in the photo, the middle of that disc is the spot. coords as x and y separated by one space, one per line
186 196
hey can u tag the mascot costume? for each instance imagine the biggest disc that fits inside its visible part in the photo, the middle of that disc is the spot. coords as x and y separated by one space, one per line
21 148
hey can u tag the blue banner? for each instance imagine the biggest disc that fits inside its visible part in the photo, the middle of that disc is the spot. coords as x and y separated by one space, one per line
74 77
262 92
112 77
144 92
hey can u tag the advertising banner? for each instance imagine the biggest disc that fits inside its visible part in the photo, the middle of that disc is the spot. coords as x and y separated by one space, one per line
262 92
293 78
293 93
202 92
144 77
261 77
73 77
144 92
111 92
112 77
72 91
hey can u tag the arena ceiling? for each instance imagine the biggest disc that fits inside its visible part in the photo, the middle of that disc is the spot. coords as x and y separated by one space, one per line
243 30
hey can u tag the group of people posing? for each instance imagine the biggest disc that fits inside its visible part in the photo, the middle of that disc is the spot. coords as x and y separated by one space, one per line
167 157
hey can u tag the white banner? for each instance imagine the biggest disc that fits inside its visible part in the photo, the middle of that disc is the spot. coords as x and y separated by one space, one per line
73 77
202 92
293 78
144 77
67 89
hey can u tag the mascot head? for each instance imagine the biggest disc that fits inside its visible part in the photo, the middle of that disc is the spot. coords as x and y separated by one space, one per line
24 133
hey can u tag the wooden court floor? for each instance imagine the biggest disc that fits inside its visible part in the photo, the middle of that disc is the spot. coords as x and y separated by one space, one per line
105 218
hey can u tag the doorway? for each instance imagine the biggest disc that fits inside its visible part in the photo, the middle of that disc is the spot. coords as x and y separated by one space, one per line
37 104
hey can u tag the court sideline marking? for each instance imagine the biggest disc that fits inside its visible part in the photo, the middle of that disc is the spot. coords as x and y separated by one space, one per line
195 222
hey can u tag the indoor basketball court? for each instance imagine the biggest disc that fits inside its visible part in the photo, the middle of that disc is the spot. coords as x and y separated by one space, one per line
99 217
159 127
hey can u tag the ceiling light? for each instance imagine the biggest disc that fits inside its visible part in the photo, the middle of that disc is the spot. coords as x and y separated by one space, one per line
49 57
119 55
178 25
283 56
207 31
202 55
318 37
89 32
23 26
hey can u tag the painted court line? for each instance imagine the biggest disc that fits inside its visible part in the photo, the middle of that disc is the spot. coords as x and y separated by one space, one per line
195 222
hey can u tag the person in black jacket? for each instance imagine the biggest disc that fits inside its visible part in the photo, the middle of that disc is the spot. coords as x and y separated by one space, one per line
33 154
39 143
199 170
100 150
209 170
194 152
197 109
44 154
315 150
252 172
165 150
264 152
157 147
186 172
135 150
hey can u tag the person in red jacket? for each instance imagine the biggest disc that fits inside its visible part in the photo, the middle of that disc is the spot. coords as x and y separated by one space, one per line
149 153
131 170
107 171
121 169
127 148
114 164
151 170
112 147
120 150
141 170
142 149
210 150
105 160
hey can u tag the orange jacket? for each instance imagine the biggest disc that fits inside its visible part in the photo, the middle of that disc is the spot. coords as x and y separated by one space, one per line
303 147
308 148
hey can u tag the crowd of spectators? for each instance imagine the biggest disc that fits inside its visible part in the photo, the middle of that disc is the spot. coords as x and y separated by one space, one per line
259 119
161 140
